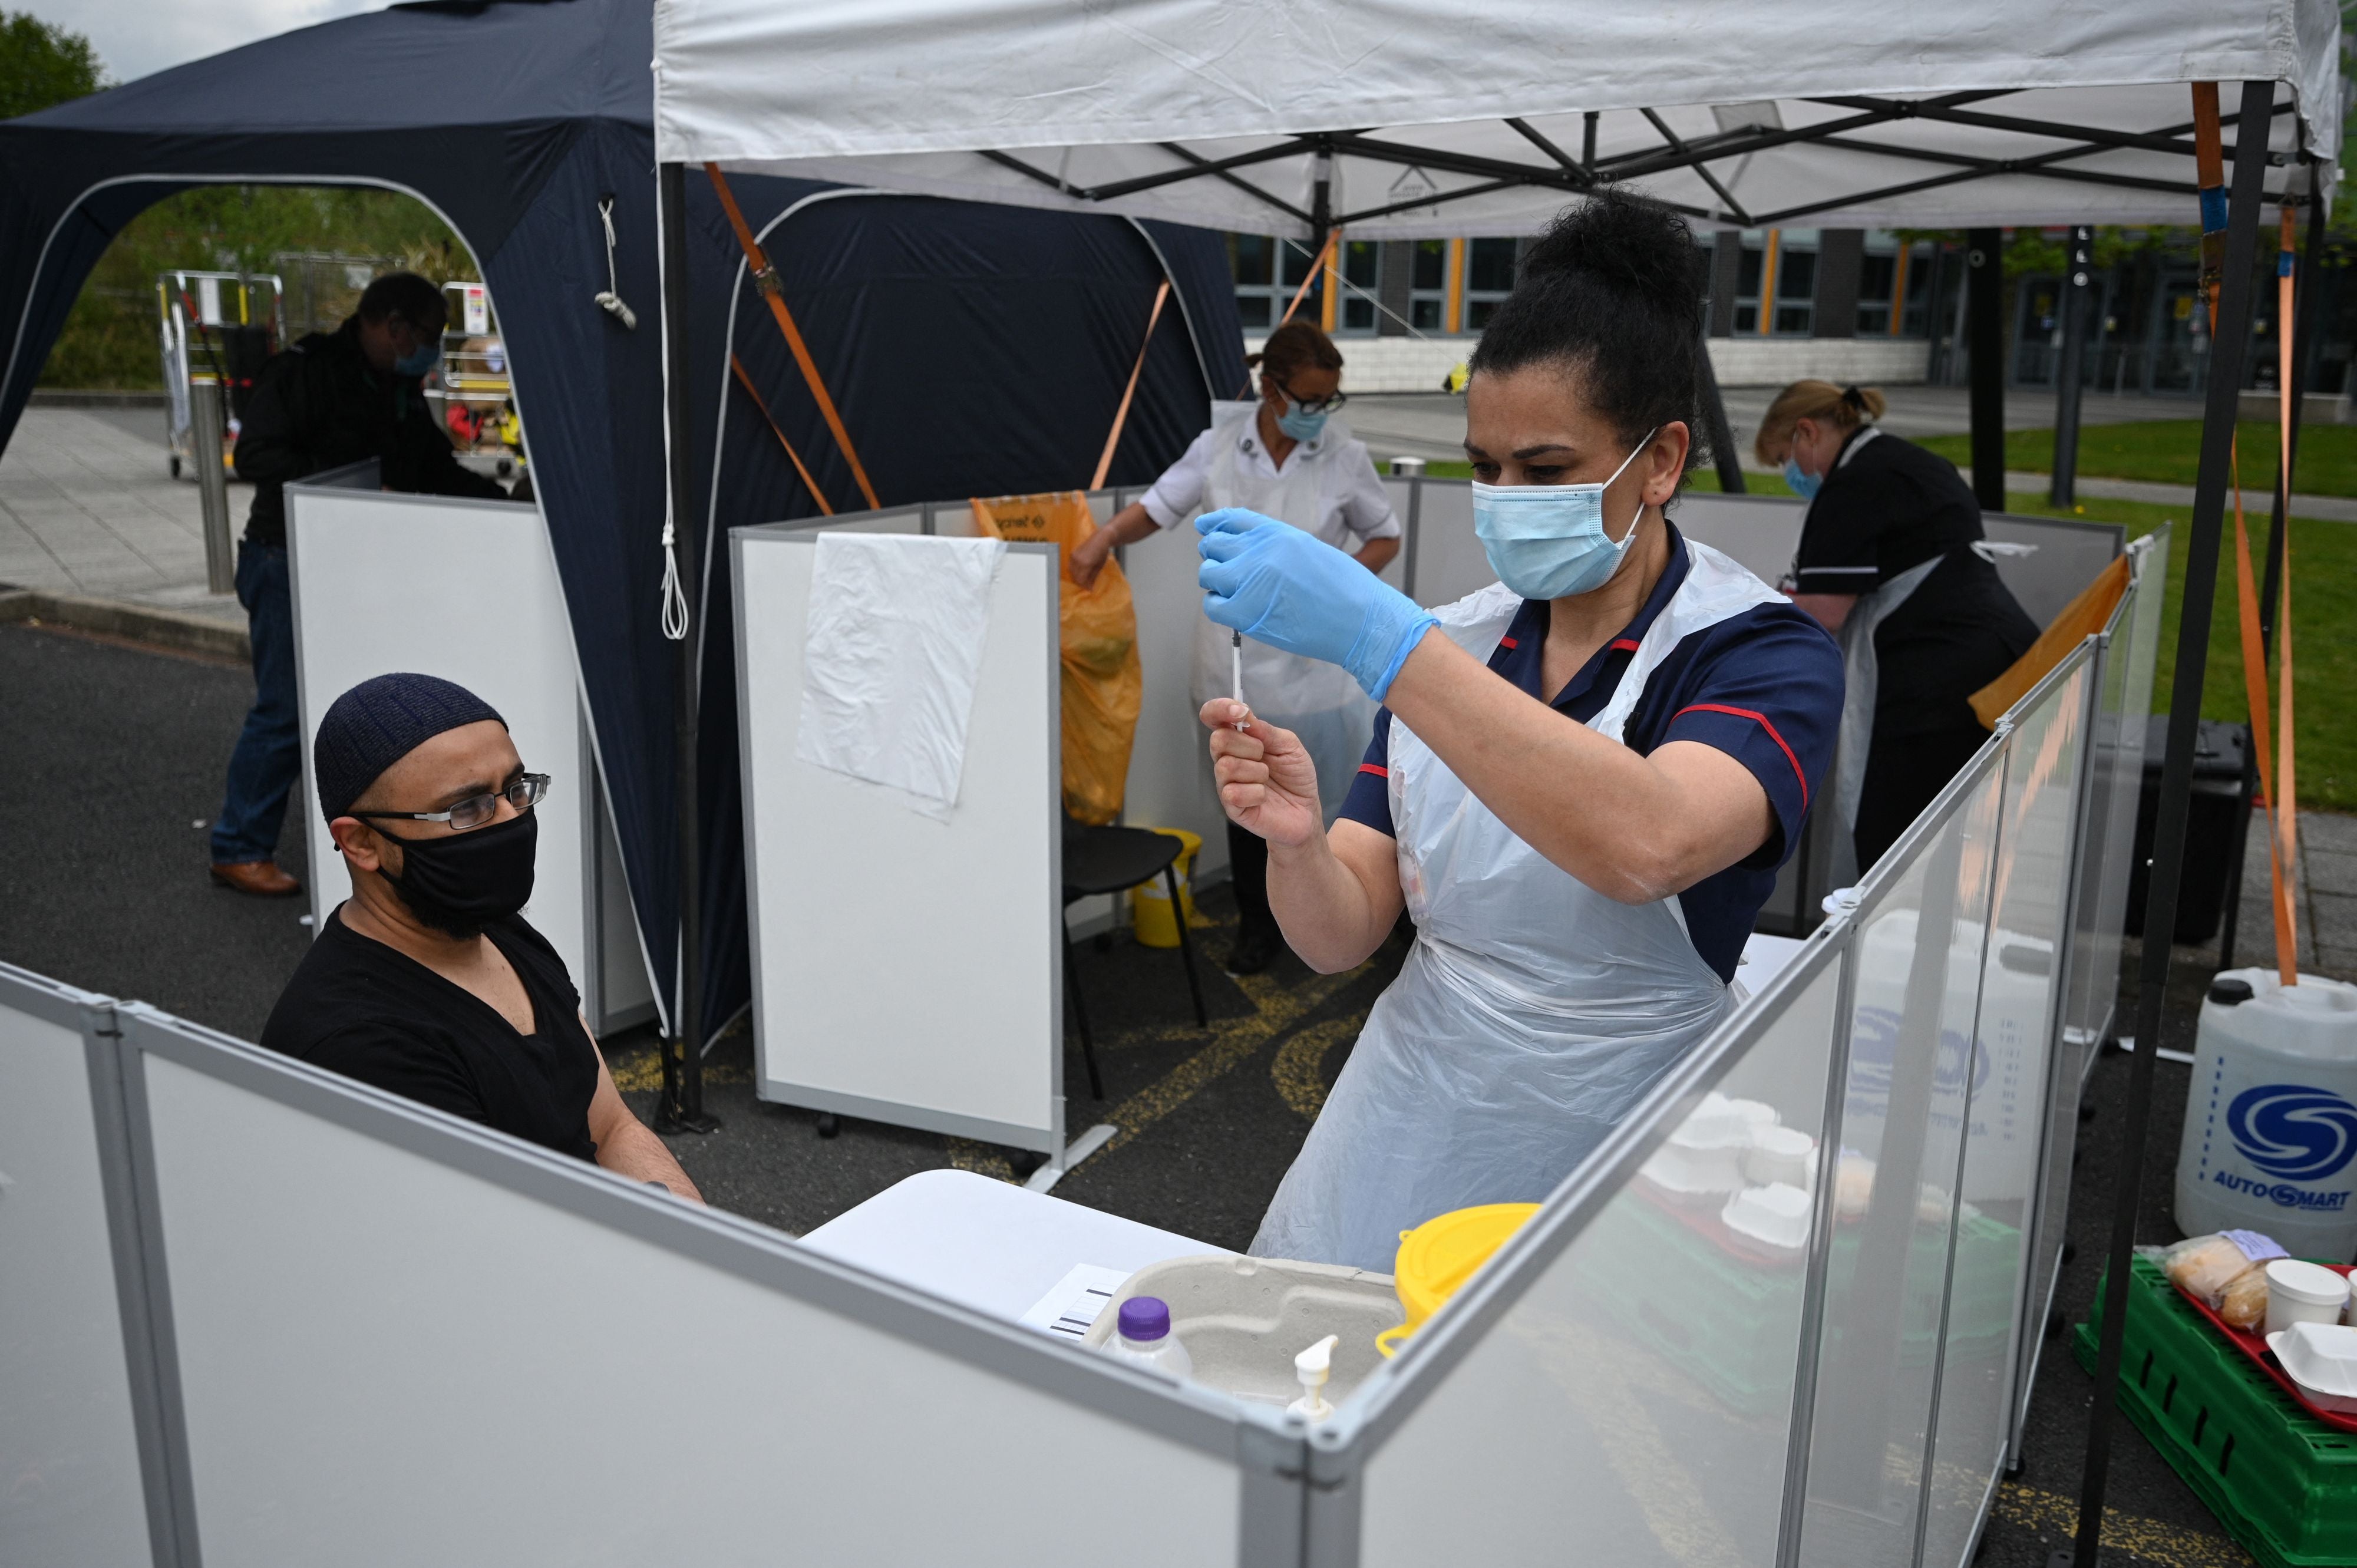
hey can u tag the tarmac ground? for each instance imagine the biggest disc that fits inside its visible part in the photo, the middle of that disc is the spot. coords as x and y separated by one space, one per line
115 757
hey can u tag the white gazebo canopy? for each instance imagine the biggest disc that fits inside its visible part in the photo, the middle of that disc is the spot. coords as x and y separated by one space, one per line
1404 120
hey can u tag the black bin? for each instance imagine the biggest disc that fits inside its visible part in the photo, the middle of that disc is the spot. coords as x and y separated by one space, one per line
2210 827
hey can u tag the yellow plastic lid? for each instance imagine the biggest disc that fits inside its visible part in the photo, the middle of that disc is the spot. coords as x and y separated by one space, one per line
1439 1256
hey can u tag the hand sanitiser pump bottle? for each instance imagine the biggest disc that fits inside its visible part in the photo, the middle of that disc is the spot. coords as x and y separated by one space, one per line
2270 1140
1142 1333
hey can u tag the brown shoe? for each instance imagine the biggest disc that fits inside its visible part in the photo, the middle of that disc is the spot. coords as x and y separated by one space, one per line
262 878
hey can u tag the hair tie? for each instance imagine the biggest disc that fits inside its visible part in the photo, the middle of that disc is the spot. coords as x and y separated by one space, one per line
1851 396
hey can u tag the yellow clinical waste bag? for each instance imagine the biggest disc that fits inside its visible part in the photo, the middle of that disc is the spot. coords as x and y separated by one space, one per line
1103 683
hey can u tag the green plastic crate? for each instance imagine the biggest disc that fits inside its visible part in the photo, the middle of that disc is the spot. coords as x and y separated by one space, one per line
2282 1482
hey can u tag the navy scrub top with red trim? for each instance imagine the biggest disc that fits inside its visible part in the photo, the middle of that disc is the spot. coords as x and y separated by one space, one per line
1764 686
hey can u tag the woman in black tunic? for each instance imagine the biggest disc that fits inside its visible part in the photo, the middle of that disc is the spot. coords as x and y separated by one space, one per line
1888 561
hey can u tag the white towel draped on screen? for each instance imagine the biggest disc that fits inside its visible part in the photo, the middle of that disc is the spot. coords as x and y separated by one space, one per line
896 624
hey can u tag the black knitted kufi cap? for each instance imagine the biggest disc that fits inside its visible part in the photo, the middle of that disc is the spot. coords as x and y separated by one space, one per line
377 723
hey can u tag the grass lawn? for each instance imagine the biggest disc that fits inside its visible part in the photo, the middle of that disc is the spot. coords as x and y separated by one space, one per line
2168 451
2324 612
2324 627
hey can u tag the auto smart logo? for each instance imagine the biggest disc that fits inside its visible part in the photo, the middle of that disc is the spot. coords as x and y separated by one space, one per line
2293 1132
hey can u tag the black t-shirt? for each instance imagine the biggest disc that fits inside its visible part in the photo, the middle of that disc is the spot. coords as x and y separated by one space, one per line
370 1012
1886 506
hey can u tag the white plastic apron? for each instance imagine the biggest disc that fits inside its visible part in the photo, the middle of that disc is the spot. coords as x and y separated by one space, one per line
1533 1012
1861 672
1318 701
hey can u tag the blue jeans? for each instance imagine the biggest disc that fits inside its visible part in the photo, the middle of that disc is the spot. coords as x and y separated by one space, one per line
262 768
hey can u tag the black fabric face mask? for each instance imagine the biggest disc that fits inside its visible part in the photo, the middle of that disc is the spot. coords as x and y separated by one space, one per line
460 883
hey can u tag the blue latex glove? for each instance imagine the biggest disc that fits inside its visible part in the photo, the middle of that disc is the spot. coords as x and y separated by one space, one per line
1276 585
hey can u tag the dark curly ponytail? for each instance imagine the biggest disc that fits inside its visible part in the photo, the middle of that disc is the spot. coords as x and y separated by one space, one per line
1611 293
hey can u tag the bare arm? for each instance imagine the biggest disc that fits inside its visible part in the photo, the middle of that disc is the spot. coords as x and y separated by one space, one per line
1334 892
1374 556
1831 610
1634 828
1130 524
624 1145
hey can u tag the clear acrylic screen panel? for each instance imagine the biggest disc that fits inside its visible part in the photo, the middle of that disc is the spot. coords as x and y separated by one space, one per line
1633 1405
2014 1099
2115 757
1917 957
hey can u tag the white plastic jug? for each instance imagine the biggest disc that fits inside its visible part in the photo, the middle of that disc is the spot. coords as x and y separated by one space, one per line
2270 1140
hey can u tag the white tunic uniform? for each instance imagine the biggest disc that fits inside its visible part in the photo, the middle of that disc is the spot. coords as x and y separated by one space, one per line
1327 488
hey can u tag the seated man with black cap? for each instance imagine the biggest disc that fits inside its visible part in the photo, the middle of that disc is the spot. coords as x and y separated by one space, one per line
427 982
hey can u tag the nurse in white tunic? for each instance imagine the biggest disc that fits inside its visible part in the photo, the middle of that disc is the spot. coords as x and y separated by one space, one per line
1284 456
1583 781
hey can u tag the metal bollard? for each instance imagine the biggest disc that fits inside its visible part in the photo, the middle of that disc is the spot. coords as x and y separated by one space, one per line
1404 468
206 432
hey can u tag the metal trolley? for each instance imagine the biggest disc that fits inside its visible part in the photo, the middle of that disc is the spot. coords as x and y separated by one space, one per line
220 326
475 400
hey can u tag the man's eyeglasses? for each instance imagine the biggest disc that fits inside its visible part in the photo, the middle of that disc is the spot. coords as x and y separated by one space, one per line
473 812
1320 405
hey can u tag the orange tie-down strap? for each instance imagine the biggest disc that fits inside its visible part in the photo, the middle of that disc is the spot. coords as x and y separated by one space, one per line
2082 619
765 279
753 393
1121 415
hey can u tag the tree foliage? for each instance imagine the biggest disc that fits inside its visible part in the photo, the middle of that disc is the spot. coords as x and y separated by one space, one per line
110 337
42 64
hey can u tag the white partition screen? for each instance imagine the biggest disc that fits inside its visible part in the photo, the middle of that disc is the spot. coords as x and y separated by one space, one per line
70 1488
399 1340
466 590
906 968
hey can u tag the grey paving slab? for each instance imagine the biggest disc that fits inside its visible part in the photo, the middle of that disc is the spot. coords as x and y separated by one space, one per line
88 506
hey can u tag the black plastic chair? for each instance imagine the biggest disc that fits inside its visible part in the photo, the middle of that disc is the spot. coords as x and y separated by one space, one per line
1112 860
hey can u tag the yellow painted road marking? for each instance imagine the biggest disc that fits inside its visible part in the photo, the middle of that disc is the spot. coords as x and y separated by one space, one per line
2056 1518
967 1154
1299 1071
1275 1009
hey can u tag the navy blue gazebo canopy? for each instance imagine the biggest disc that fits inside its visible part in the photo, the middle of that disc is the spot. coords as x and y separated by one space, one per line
973 350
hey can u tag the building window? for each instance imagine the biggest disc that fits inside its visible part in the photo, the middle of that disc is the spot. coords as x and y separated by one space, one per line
1796 283
1488 279
1427 299
1252 259
1919 281
1748 273
1363 270
1878 283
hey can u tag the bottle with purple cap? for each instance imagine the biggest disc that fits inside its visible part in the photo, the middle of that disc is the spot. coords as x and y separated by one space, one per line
1142 1333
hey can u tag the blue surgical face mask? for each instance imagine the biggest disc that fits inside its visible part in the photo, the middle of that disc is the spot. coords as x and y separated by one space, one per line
1300 423
1805 485
418 361
1547 541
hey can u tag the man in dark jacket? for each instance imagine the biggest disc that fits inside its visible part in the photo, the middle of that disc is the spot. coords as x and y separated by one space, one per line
332 398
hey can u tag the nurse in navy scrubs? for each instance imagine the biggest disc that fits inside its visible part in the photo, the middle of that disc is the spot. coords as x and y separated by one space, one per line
1583 778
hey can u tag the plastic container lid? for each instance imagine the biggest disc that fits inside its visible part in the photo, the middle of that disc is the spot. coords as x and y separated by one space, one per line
2311 1284
2319 1356
1439 1256
1717 1123
1145 1318
1777 1214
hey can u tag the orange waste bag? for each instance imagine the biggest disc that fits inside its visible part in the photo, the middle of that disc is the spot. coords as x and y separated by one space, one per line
1103 683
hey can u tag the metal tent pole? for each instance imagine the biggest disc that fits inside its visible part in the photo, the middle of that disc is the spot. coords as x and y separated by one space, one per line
2303 370
2228 345
2063 492
1714 420
1985 331
682 1110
